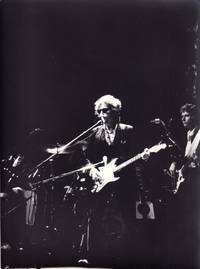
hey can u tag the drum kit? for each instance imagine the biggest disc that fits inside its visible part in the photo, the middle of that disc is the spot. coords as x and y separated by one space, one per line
17 178
13 173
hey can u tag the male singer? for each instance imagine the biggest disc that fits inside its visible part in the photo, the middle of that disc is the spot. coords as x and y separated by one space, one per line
113 206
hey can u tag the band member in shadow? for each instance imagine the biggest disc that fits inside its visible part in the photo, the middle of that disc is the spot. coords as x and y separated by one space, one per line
186 200
25 199
111 204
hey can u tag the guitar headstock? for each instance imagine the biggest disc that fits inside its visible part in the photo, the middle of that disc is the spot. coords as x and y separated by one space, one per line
157 148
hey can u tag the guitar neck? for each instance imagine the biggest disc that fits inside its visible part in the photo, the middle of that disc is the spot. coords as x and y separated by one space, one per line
128 162
83 169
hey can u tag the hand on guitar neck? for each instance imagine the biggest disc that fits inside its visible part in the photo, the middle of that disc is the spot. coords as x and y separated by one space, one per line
145 154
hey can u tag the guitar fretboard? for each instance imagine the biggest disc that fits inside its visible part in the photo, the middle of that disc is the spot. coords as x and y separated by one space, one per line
126 163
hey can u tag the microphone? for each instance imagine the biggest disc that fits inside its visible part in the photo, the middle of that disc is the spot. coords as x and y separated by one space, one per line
156 121
159 121
102 120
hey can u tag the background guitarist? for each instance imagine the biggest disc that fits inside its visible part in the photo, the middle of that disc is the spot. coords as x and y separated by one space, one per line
186 209
190 164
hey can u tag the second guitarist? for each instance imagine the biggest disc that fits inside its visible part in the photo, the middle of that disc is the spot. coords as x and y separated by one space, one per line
188 170
186 205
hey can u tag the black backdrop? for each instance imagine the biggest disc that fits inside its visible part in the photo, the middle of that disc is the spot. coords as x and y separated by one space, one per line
60 56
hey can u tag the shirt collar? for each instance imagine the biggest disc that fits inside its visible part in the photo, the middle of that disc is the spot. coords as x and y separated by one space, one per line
190 133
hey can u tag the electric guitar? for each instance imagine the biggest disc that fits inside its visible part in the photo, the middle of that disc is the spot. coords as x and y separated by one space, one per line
106 173
181 173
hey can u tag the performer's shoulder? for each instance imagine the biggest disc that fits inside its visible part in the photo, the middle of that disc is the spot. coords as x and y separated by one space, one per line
97 128
122 126
126 126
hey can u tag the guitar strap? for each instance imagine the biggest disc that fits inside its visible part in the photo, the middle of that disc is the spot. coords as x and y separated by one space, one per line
191 152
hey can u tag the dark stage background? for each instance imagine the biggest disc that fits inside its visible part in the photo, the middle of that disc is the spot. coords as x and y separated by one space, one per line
58 57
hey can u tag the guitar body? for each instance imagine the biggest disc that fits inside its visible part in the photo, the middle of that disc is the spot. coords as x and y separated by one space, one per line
184 173
106 174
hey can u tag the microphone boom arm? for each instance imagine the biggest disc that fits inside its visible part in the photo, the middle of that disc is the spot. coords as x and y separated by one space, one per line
167 133
66 145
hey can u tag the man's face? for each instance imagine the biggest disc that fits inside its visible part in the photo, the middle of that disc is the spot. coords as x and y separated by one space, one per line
187 120
105 113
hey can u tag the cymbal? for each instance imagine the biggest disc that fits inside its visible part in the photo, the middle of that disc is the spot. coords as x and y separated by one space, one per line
61 149
58 150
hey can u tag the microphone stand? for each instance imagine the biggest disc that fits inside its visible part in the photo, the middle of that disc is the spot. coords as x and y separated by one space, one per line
65 146
167 134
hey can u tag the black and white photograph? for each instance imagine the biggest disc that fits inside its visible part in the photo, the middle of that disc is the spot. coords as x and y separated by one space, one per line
100 136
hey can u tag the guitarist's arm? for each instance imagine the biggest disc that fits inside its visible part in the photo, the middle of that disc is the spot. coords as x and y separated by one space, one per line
191 168
176 159
194 161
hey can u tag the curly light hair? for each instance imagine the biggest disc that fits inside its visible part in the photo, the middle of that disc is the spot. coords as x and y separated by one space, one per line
113 103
